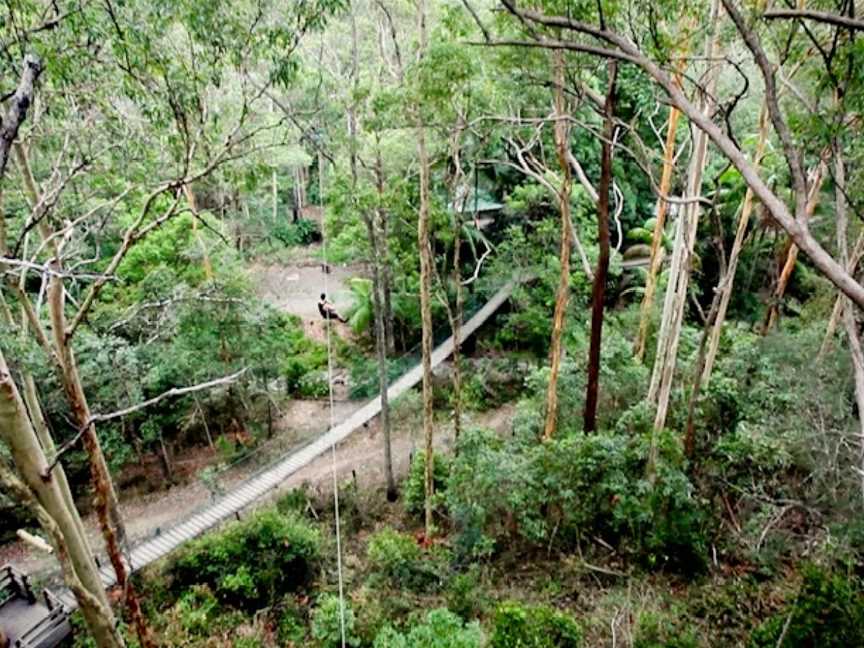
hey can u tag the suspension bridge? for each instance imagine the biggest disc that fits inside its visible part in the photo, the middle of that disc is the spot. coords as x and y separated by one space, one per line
38 623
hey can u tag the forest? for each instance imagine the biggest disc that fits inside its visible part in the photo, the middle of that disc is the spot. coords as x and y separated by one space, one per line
431 323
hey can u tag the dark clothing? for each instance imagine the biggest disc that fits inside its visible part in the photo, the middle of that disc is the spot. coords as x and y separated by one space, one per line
328 311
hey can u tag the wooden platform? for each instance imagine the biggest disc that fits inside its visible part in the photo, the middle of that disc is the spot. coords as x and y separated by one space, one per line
27 621
255 487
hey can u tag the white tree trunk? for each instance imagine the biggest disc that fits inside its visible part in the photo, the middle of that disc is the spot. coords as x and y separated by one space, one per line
75 554
685 238
729 278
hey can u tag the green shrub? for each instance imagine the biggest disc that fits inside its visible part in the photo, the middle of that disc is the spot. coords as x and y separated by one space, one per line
559 492
251 563
440 629
301 232
828 612
327 623
295 500
291 629
414 490
313 385
197 609
518 626
464 595
397 558
660 631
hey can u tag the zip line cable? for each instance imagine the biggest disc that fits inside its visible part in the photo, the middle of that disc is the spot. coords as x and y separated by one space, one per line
327 324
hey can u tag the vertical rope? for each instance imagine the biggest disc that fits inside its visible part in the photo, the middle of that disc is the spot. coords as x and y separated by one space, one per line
327 325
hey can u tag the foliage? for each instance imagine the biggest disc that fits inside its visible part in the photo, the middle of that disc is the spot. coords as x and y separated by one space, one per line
414 490
828 611
397 558
517 626
558 492
440 629
327 623
465 596
303 232
252 562
659 631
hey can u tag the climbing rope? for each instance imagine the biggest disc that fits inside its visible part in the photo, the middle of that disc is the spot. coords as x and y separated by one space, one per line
327 325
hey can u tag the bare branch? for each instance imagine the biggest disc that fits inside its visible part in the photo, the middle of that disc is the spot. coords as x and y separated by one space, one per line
793 156
174 391
817 16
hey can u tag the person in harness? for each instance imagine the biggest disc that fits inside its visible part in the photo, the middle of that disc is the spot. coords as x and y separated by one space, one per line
328 310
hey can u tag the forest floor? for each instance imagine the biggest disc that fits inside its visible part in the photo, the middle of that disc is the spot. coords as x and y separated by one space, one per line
295 288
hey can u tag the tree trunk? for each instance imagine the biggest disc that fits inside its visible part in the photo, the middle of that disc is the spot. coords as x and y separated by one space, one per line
61 352
657 237
456 328
817 176
30 395
107 509
849 321
728 281
425 248
379 288
455 314
562 296
710 338
679 273
840 302
598 291
205 256
72 549
383 378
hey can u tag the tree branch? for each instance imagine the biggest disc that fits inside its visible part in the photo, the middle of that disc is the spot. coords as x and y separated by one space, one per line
174 391
817 16
792 155
797 230
17 113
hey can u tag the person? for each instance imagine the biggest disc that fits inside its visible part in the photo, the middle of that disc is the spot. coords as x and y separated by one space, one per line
328 310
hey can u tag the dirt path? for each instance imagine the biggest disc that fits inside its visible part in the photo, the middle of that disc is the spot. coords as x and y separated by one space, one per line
295 288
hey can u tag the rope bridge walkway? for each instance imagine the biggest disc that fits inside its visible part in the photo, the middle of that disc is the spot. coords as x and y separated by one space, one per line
252 489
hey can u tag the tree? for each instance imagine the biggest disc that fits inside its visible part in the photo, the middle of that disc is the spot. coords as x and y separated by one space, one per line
599 289
562 295
615 45
82 171
426 270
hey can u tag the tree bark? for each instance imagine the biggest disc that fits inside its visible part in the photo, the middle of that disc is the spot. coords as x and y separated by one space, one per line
375 232
205 256
657 237
842 300
728 280
679 273
849 321
59 521
30 395
773 314
598 291
18 107
424 246
562 295
109 518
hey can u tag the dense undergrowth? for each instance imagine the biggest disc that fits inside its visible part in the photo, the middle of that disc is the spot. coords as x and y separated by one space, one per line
569 542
